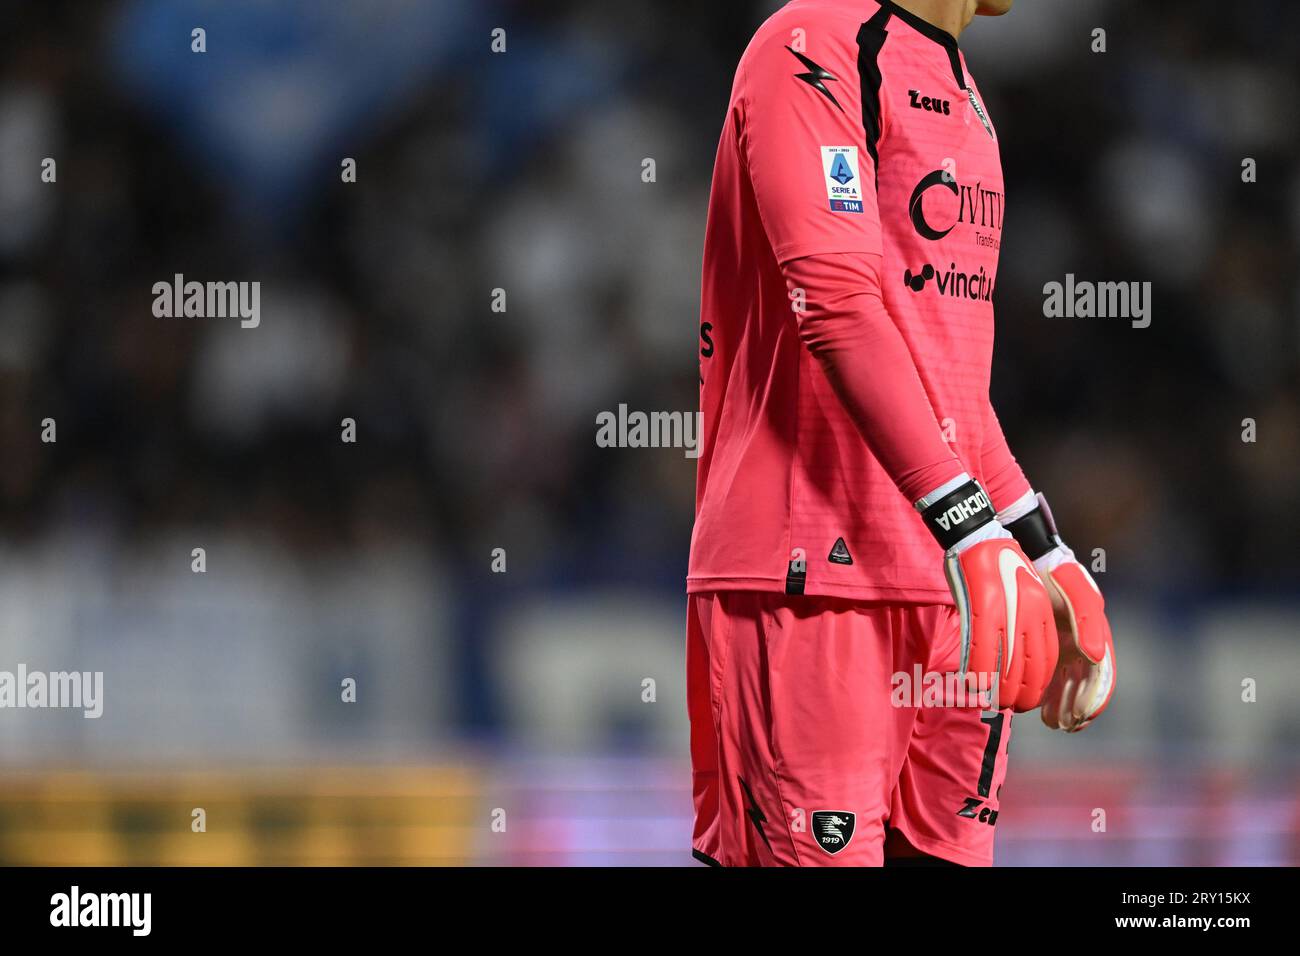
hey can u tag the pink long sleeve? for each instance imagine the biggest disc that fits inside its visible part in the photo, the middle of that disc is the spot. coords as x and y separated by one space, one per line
845 326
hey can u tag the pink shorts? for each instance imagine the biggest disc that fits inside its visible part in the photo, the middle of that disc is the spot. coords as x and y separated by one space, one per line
807 750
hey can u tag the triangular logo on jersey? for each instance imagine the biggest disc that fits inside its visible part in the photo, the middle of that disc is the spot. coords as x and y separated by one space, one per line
841 171
833 829
840 553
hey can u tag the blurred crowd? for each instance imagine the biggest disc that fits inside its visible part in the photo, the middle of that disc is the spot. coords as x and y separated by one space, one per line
521 171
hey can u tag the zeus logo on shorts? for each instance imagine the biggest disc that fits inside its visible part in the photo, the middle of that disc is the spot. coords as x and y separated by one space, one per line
843 188
974 808
833 829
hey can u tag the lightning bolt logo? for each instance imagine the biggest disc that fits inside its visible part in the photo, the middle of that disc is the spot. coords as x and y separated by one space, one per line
756 816
816 77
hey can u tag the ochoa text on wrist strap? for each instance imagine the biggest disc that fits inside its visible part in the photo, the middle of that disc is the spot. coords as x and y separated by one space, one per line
957 513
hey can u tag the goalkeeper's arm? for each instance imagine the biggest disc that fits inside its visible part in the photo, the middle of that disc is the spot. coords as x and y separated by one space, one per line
843 322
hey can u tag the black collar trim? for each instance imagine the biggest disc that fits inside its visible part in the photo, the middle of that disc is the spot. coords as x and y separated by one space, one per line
927 29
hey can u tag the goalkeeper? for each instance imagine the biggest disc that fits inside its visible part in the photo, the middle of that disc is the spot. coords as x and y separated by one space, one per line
859 514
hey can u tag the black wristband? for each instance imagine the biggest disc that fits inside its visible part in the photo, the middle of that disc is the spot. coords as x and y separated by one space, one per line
1034 533
958 513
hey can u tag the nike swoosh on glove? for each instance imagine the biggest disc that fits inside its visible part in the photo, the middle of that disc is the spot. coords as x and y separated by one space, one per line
1085 676
1008 634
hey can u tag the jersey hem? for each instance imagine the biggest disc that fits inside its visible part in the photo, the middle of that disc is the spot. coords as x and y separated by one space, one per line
865 592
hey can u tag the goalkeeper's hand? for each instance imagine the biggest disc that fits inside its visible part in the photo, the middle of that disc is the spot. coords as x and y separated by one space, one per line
1008 637
1084 681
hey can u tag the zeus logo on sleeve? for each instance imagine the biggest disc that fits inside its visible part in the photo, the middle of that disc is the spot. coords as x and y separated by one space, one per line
840 165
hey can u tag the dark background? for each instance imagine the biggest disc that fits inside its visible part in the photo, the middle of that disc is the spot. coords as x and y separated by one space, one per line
476 429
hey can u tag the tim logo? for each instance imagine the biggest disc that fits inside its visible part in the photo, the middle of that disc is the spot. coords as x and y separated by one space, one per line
833 829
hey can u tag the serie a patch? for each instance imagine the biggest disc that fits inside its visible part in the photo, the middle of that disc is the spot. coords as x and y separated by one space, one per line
843 185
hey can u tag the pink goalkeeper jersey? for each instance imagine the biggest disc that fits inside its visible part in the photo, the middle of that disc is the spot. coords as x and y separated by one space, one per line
853 127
